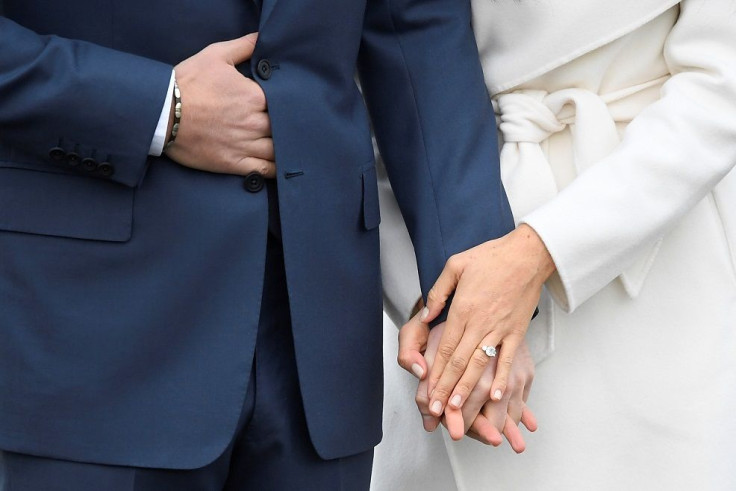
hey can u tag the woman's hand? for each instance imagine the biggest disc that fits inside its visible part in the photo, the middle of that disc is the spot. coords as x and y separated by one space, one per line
479 418
496 288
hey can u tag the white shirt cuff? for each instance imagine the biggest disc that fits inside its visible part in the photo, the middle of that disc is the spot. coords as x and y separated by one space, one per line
159 137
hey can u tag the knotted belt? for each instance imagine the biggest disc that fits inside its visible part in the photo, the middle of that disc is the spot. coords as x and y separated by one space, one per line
527 118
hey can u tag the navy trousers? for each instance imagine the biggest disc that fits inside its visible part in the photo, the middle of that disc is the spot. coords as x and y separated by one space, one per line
271 449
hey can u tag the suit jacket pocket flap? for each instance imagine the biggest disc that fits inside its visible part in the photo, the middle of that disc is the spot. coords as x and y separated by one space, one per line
64 205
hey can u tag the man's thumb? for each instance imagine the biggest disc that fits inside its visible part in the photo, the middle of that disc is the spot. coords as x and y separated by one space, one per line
412 343
241 49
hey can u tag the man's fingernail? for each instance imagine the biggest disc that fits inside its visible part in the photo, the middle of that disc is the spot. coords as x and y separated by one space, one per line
455 401
417 370
437 407
498 395
424 314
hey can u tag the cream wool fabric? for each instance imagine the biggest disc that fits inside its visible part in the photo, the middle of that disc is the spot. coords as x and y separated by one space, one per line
519 40
621 157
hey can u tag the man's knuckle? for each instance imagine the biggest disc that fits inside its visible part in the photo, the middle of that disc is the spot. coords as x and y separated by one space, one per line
252 121
483 385
232 165
454 262
516 380
434 296
258 97
251 95
260 122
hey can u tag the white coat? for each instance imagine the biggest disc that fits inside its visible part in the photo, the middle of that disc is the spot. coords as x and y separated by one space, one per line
618 123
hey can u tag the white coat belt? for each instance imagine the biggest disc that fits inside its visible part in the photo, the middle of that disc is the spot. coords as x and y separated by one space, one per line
527 118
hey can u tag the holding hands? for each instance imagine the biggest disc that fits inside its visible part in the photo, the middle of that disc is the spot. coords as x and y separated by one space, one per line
225 128
480 418
496 288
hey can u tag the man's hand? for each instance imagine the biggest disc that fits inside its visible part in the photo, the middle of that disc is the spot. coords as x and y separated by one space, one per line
224 126
506 414
480 418
497 286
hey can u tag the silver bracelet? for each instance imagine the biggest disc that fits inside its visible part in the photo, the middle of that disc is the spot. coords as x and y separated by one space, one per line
177 115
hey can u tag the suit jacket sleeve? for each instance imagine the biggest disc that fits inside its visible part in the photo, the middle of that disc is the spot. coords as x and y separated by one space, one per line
434 125
672 154
85 98
401 288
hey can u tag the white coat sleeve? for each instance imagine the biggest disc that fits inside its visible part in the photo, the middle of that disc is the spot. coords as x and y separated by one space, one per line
671 156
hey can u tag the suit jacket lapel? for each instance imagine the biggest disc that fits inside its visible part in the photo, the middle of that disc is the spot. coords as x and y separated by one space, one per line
266 9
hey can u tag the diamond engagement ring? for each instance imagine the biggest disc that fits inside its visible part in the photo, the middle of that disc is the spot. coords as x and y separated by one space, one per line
489 350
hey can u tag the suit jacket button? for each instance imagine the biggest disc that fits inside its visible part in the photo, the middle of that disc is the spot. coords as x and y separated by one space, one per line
89 164
106 169
57 153
254 182
73 159
263 69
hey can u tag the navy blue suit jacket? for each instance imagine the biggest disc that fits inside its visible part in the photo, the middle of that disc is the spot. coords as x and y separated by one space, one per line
130 286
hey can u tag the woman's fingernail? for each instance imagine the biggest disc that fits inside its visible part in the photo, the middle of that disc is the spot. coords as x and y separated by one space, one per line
424 314
455 401
417 370
498 395
436 407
